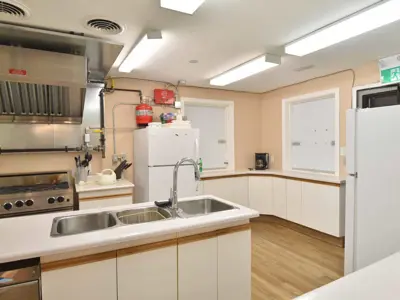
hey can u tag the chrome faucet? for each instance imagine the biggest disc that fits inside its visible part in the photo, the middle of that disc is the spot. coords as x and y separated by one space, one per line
174 191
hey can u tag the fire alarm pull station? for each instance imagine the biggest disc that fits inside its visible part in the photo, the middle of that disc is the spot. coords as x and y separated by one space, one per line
165 97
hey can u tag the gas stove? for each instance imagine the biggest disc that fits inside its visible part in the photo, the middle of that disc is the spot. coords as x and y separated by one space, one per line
34 193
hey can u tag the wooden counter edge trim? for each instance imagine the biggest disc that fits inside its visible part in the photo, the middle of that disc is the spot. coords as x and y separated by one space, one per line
76 261
212 234
273 175
146 247
105 197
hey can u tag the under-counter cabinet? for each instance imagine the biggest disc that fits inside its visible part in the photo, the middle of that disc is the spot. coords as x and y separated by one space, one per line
148 272
261 195
294 201
81 278
322 208
279 197
234 265
198 267
234 189
105 201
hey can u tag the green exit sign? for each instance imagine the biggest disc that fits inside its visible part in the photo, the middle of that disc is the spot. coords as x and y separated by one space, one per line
390 69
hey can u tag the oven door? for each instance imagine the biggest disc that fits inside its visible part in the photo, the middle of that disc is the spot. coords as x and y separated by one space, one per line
22 291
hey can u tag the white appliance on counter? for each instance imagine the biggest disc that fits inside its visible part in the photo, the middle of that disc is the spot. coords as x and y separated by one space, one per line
156 151
373 180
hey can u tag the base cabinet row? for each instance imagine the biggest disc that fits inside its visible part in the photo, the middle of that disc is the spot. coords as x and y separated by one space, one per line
212 268
315 205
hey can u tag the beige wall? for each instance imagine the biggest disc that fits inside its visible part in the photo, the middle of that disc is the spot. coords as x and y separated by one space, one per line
247 129
272 105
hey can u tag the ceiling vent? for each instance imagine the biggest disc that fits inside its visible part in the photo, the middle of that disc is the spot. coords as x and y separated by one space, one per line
104 26
12 10
302 69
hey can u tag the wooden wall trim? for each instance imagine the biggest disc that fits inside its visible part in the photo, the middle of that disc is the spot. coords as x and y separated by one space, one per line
106 197
146 247
73 262
273 175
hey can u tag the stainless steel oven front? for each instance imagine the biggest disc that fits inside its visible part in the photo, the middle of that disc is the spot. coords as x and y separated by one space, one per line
20 280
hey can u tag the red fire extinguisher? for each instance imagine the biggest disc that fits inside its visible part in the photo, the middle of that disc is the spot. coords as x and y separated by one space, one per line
144 114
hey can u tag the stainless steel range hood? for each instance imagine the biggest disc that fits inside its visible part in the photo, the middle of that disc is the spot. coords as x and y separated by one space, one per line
43 74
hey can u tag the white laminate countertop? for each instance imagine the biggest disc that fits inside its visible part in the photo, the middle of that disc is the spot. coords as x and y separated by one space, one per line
376 282
92 186
28 237
300 175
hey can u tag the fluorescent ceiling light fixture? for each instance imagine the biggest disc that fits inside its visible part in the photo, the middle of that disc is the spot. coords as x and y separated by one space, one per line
184 6
142 52
364 21
247 69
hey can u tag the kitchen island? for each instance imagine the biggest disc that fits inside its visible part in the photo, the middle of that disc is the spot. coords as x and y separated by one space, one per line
377 281
196 257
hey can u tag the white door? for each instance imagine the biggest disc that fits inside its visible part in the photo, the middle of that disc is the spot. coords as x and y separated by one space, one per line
279 196
377 188
97 280
169 145
197 270
260 194
161 179
150 275
234 266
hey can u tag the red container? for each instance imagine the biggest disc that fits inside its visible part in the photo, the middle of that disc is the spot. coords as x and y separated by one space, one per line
144 114
166 97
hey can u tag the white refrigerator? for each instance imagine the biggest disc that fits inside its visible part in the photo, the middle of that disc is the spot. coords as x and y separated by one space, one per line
372 186
156 151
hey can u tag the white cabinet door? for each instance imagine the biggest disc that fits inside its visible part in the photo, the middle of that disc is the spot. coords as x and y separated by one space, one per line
321 208
118 200
234 266
150 275
97 280
260 194
294 201
198 275
279 195
234 189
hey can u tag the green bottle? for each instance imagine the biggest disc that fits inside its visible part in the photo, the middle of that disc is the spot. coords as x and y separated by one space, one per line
200 165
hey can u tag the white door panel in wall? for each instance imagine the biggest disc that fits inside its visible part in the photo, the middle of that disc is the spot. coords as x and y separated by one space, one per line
261 194
279 194
313 135
169 145
211 121
294 201
161 179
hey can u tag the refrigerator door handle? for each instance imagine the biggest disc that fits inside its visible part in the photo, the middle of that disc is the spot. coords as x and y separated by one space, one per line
355 175
196 145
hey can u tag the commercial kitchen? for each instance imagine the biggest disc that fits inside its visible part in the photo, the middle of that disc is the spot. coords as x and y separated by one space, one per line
199 149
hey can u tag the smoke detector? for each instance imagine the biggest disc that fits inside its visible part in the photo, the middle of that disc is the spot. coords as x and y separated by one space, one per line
104 26
13 9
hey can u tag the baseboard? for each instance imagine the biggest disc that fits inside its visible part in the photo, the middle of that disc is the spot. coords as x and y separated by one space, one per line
335 241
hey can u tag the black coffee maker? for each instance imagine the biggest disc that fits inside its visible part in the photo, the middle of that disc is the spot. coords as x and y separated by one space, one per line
262 161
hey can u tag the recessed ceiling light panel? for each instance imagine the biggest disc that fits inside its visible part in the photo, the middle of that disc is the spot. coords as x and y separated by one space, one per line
247 69
367 20
142 52
184 6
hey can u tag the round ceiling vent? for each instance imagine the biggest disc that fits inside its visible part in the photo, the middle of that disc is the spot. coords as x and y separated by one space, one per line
104 26
13 10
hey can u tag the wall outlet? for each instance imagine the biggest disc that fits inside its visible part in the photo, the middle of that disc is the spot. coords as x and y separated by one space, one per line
117 158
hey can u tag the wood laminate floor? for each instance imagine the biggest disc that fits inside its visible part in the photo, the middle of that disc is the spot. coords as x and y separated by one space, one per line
287 264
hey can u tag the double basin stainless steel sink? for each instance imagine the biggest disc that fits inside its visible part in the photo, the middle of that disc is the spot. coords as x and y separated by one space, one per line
77 224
